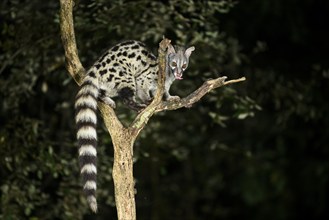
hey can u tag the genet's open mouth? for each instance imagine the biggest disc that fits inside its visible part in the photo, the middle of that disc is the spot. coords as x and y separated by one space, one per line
179 76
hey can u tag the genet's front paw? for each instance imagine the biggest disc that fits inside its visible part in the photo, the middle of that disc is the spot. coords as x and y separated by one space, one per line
173 98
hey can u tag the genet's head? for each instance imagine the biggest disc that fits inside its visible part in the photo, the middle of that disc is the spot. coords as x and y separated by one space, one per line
178 60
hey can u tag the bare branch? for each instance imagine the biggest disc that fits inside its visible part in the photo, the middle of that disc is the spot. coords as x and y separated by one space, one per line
197 94
73 63
163 45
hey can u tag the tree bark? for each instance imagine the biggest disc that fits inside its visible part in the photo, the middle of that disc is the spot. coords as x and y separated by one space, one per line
122 172
123 138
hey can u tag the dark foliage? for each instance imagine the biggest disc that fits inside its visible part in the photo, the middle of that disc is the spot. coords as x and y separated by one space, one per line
255 150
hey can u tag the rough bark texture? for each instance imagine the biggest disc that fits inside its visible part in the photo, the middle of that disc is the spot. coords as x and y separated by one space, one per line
123 138
122 172
73 64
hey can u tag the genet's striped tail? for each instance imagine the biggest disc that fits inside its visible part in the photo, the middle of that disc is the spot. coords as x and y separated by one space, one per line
86 121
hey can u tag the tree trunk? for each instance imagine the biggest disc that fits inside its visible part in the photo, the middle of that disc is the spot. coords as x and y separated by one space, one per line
122 173
124 185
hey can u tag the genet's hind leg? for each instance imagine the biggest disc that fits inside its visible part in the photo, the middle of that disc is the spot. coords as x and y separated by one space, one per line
128 96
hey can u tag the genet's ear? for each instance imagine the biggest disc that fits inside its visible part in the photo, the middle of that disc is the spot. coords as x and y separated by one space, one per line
170 49
188 51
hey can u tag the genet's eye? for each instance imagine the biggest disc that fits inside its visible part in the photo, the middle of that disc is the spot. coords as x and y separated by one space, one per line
184 66
174 64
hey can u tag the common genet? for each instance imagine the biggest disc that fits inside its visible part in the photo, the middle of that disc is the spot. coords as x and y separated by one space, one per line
127 71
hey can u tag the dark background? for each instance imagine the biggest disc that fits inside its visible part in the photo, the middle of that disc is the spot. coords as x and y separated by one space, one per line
253 150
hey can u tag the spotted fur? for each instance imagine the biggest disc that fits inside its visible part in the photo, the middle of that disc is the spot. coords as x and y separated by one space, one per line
127 70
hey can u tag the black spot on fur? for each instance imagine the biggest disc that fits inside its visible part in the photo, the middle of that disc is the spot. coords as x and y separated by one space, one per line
145 70
132 55
92 74
98 66
112 57
127 43
108 61
115 48
102 72
153 65
112 70
109 79
115 64
103 64
144 52
135 47
121 73
143 62
138 58
104 55
151 56
141 44
124 53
